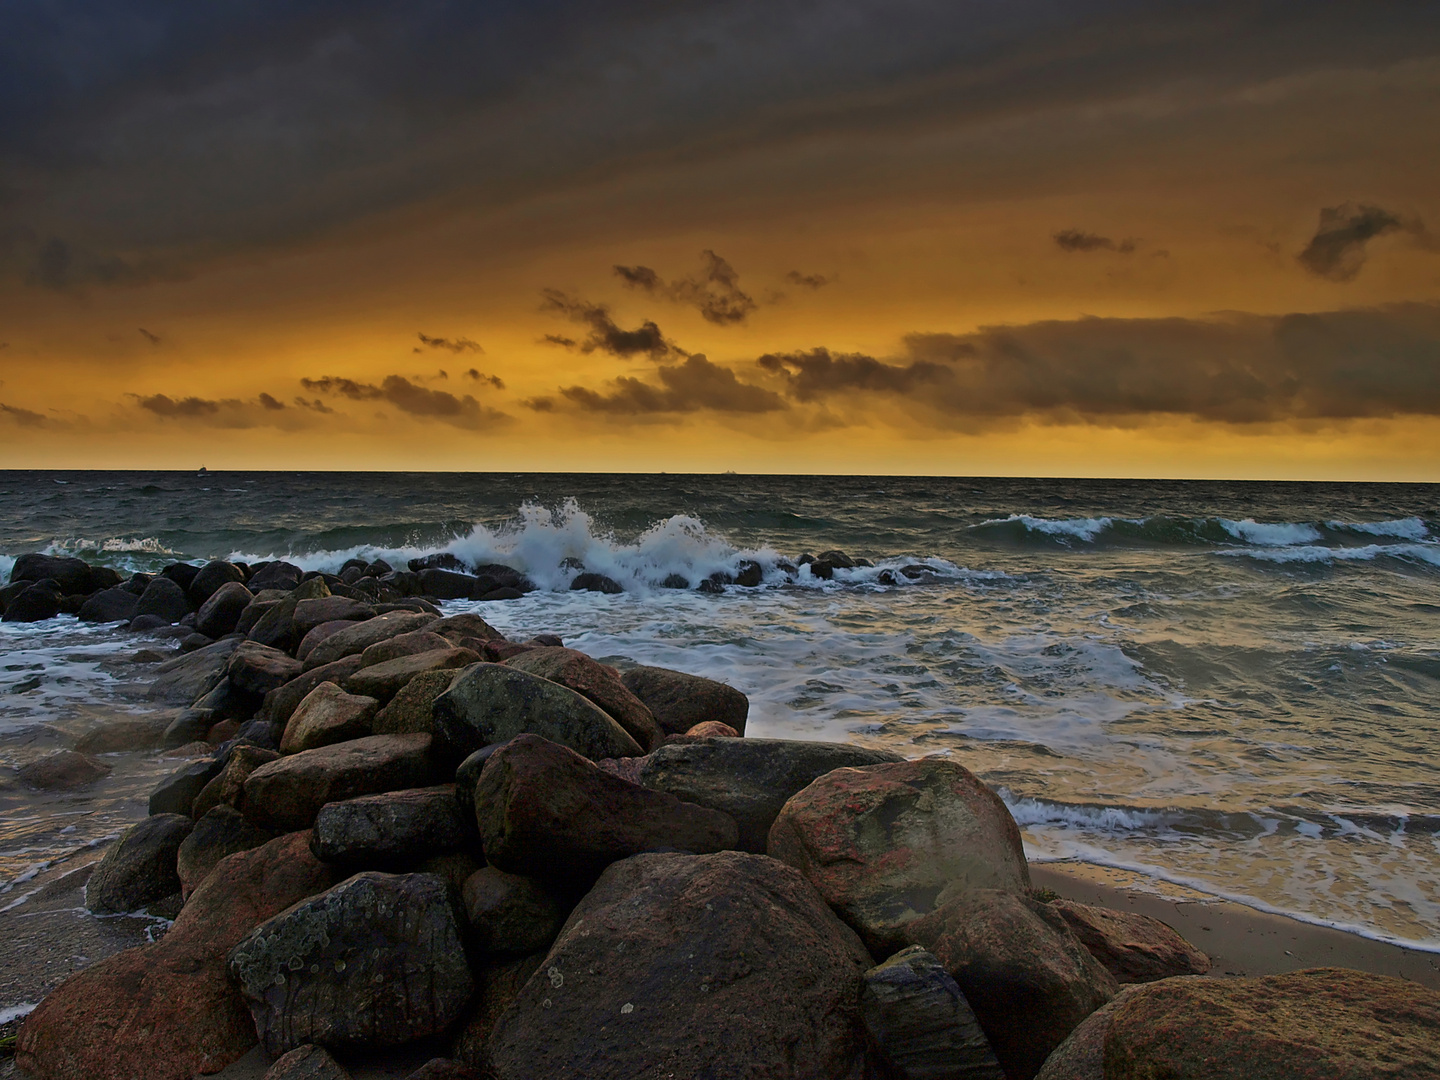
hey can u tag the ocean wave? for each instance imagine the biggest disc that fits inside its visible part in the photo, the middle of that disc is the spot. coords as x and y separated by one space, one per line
1270 534
1411 528
1310 553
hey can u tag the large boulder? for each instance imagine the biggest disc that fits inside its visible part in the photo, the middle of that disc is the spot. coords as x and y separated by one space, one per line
886 844
188 678
71 575
461 628
1317 1024
391 826
139 868
220 614
1134 948
35 603
597 682
168 1011
546 811
308 1062
1028 979
411 644
176 794
679 701
412 707
280 704
278 574
511 915
374 962
384 681
920 1023
210 577
694 966
362 635
490 703
311 613
327 715
220 832
163 599
749 779
258 669
288 793
316 634
227 788
277 627
109 605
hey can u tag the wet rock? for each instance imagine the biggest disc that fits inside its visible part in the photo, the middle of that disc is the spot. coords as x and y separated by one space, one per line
208 579
145 623
280 704
1316 1024
277 627
222 831
381 829
685 965
749 779
220 614
168 1011
490 703
410 710
183 574
109 605
311 613
318 634
411 644
254 612
544 810
227 788
119 736
35 603
176 793
459 628
361 636
287 794
64 770
886 844
308 1062
1133 947
276 575
598 683
675 581
258 669
70 575
191 642
921 1024
228 702
679 701
511 915
188 678
375 961
596 583
749 573
1028 979
383 681
449 585
139 868
327 715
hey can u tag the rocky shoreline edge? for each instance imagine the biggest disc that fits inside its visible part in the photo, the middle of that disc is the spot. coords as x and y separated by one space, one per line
401 829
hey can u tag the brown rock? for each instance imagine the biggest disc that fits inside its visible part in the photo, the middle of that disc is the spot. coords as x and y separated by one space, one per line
712 729
277 627
546 811
680 701
1028 979
361 636
327 715
410 710
228 787
280 705
186 679
129 733
311 613
383 681
444 1069
308 1062
497 984
691 966
168 1011
511 915
287 794
64 770
221 832
595 681
411 644
886 844
316 635
1134 948
466 625
258 669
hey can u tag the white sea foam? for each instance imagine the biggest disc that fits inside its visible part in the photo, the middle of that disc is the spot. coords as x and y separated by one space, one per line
15 1012
1277 534
1411 528
1311 553
1086 529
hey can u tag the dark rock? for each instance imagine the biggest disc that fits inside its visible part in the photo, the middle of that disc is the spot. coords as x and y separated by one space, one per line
381 829
680 701
822 569
308 1062
837 559
1026 976
597 682
71 605
444 1069
311 613
411 644
222 731
275 575
497 984
287 794
489 703
440 560
280 704
885 844
64 770
545 811
378 568
749 779
317 634
1133 947
459 628
176 793
258 669
167 1011
188 678
361 636
675 581
711 585
467 775
511 915
328 715
383 681
34 603
921 1024
220 614
145 623
227 787
254 611
749 574
257 732
109 605
119 736
448 585
222 831
192 642
690 966
376 961
139 867
69 574
596 583
183 574
410 710
277 627
226 701
210 577
190 726
136 583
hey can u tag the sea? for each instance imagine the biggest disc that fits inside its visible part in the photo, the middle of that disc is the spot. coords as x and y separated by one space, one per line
1227 687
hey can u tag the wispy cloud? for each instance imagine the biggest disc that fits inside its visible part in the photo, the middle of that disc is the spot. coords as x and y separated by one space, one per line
461 411
605 334
1078 240
1338 248
714 292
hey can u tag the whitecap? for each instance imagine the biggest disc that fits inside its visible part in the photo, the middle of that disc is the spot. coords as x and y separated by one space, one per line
1267 534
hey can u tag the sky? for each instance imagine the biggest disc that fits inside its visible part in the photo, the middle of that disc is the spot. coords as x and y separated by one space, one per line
1010 237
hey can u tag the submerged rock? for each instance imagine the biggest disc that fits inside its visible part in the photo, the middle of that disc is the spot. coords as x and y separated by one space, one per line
64 770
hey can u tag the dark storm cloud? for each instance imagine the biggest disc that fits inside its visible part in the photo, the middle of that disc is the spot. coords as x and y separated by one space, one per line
187 407
819 372
409 397
1076 240
1337 250
23 417
687 387
454 345
268 402
714 292
134 132
314 404
476 375
605 334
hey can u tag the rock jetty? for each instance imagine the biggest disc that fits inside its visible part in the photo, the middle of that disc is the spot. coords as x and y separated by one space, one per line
408 828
